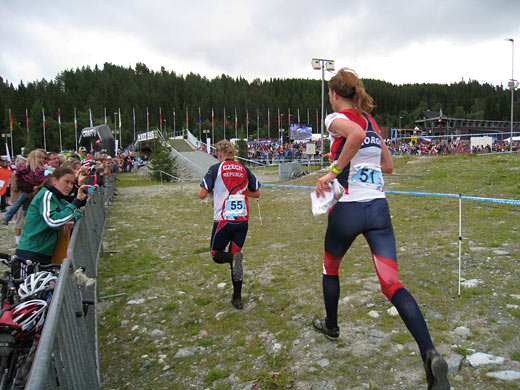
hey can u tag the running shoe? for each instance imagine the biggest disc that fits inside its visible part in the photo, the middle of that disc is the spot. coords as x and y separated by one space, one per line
237 302
436 371
321 326
236 266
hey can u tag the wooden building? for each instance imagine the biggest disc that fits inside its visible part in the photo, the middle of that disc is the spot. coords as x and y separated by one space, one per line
434 123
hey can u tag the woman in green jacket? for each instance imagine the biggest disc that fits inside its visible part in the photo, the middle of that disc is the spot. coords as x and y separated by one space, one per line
49 212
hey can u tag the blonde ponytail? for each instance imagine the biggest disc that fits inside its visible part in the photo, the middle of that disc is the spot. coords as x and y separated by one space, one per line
226 148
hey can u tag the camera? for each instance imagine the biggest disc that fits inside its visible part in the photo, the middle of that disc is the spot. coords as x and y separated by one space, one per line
92 189
90 171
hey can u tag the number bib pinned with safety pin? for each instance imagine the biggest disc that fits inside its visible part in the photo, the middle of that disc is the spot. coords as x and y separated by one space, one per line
235 206
368 175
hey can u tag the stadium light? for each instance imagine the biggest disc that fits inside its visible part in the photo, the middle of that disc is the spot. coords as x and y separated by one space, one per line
320 63
512 85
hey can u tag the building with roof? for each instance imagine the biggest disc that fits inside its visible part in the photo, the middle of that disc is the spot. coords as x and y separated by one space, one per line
434 123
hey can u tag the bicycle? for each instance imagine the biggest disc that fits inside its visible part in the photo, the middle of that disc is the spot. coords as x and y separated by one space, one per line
24 307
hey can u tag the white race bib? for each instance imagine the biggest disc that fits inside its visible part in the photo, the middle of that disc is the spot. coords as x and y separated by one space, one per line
235 206
369 176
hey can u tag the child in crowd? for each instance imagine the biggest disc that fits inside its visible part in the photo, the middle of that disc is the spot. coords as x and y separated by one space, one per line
29 176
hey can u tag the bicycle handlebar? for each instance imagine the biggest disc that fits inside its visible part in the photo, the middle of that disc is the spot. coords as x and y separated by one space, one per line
11 283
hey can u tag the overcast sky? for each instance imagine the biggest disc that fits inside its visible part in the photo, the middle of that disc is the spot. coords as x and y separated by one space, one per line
400 41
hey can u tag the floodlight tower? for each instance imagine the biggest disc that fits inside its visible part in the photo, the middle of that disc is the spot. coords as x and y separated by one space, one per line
320 63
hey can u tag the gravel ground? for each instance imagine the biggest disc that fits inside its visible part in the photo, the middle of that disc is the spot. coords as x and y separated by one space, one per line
374 351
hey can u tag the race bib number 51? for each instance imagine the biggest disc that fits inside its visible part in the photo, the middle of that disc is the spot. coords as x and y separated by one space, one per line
369 176
235 206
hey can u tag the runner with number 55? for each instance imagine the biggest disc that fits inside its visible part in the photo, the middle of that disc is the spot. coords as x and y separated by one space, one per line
230 183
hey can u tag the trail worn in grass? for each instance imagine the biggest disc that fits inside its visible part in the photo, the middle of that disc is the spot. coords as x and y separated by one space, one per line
176 328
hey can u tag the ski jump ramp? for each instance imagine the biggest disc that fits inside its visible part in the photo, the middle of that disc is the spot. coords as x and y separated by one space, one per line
191 162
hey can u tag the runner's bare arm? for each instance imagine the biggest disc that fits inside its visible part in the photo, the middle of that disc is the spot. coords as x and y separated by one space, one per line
387 164
203 193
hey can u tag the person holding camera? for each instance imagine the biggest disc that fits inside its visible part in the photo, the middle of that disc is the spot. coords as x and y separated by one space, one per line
81 176
48 213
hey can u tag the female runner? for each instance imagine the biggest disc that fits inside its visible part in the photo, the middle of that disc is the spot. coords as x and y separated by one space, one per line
359 158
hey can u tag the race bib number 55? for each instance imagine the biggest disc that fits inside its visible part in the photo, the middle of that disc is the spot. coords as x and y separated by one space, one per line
235 206
369 176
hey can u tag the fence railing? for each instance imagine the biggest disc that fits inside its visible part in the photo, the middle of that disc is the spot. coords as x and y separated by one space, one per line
67 356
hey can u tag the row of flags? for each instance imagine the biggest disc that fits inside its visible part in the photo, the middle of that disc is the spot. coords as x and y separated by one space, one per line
118 122
162 120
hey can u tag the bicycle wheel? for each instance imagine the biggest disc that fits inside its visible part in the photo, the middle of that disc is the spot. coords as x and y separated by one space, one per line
7 366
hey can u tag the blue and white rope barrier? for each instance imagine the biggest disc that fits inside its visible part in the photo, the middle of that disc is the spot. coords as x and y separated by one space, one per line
515 202
459 196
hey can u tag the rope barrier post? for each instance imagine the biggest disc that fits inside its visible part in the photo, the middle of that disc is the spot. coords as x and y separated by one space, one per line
182 180
259 213
460 238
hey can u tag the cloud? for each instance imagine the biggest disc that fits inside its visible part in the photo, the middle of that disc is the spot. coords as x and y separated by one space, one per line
399 41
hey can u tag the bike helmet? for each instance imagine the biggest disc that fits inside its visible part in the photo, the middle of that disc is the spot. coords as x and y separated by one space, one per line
30 315
35 283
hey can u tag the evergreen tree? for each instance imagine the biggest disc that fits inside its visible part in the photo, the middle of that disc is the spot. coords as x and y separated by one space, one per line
242 148
121 89
162 162
29 146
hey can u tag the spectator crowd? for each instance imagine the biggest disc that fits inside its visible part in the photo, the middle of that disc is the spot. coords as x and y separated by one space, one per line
451 147
275 151
23 178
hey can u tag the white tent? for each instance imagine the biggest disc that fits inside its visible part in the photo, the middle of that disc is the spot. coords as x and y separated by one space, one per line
514 139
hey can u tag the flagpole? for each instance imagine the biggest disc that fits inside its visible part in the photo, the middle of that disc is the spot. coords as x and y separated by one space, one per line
257 125
317 121
59 127
160 119
105 115
75 129
120 143
44 126
187 120
247 125
147 120
225 122
212 126
11 131
278 122
174 122
133 120
268 124
236 124
200 125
